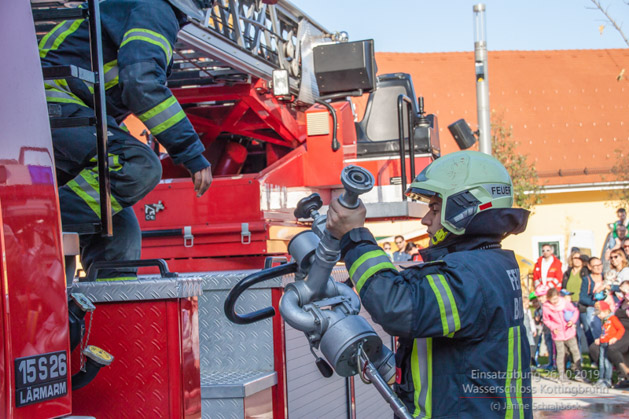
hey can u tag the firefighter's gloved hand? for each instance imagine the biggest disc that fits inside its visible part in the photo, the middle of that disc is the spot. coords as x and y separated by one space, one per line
341 220
202 180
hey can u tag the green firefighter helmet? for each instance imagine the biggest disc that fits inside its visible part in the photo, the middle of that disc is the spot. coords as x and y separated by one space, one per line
468 182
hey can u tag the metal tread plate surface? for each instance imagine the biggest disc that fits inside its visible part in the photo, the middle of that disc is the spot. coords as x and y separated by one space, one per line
250 345
144 288
225 280
231 384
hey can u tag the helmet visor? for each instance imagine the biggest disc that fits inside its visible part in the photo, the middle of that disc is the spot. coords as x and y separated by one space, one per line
419 194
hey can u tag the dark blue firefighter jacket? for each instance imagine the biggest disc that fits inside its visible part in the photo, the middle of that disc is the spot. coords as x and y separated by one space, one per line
463 350
138 38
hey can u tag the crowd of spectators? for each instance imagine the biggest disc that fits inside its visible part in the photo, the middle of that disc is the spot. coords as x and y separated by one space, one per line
585 306
586 302
406 251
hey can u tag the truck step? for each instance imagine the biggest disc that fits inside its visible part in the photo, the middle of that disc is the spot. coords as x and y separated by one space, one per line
65 71
235 384
62 13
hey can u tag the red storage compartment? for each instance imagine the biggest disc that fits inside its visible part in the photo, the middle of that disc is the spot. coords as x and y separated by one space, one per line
150 326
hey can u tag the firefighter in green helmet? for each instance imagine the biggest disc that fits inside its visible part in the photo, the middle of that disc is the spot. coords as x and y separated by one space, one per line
463 350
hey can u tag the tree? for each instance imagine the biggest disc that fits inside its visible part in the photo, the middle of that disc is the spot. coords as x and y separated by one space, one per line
616 25
526 188
621 167
621 171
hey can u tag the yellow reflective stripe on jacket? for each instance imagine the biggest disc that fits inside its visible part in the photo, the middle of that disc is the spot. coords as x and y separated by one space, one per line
367 265
163 116
149 36
57 35
519 375
421 372
448 310
85 185
513 392
509 412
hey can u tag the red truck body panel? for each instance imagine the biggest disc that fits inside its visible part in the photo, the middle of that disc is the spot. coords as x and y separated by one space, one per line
34 306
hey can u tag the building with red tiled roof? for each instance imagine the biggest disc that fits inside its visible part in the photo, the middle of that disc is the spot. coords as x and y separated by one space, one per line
569 111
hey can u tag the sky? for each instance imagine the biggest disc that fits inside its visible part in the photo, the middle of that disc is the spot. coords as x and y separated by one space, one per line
448 25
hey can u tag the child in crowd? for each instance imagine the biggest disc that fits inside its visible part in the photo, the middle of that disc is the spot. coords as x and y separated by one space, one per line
570 315
563 332
612 331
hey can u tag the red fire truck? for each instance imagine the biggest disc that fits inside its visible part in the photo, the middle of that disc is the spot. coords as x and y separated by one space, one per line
269 91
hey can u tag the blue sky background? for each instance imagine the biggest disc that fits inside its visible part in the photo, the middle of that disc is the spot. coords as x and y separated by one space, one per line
447 25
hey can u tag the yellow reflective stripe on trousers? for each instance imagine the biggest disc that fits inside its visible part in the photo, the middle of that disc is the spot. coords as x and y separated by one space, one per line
450 320
85 185
114 163
110 70
367 265
110 75
163 116
92 180
149 36
58 91
421 371
80 187
57 35
513 393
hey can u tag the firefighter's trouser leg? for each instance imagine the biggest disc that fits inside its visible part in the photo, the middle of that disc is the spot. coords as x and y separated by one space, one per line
134 170
124 245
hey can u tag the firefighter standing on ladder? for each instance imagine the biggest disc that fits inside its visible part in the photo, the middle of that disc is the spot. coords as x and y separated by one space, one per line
138 38
462 346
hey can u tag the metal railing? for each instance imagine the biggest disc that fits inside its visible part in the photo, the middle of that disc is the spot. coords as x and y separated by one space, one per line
100 110
249 36
46 15
401 101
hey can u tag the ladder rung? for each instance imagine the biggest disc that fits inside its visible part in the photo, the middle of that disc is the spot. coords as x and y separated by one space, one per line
87 228
185 74
72 122
64 13
42 29
63 71
190 82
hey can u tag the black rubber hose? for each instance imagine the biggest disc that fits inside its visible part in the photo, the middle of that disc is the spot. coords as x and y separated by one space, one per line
83 378
77 325
335 141
243 284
